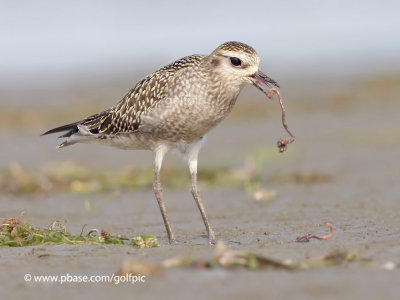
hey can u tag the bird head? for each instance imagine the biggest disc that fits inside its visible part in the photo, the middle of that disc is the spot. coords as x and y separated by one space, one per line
239 64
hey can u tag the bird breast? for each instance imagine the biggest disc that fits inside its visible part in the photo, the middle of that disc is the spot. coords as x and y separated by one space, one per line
194 105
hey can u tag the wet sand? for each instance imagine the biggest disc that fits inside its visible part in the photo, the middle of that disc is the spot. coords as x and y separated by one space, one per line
358 147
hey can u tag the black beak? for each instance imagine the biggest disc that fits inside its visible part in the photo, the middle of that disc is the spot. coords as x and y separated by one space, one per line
263 82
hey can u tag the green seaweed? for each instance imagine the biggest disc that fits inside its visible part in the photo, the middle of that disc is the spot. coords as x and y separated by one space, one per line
14 233
144 241
74 177
77 178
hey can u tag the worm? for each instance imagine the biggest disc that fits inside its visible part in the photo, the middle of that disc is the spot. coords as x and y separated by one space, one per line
282 142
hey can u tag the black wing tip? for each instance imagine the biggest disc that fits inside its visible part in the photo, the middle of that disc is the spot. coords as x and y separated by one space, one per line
73 127
47 132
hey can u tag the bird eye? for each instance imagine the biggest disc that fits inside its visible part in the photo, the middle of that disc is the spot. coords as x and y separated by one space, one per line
236 61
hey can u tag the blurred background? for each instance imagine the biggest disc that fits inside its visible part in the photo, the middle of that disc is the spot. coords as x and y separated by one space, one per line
62 61
338 65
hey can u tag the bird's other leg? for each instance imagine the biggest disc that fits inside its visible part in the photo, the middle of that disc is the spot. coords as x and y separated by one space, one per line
192 156
160 153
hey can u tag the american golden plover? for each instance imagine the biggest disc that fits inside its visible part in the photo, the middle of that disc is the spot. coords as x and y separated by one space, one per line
174 108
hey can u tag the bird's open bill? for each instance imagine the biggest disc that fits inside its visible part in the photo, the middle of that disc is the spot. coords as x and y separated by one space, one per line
263 82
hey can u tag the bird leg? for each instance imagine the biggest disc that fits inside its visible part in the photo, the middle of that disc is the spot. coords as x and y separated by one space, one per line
199 202
160 153
192 159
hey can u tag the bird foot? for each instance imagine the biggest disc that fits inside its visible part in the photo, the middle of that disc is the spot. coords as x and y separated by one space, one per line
172 240
175 242
211 238
212 241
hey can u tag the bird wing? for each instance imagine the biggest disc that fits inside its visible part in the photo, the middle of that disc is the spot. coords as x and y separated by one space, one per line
146 95
126 115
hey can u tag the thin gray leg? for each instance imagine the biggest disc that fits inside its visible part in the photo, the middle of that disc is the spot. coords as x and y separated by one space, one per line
160 153
192 156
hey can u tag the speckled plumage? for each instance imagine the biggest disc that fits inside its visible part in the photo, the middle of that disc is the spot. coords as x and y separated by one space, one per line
125 117
173 108
178 103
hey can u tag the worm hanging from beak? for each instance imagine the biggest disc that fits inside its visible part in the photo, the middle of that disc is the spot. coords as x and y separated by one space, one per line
260 80
282 143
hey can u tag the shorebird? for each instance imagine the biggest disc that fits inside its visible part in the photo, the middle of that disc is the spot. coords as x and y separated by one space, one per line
174 108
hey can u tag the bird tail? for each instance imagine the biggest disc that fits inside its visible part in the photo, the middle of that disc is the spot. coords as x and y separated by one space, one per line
80 131
76 132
